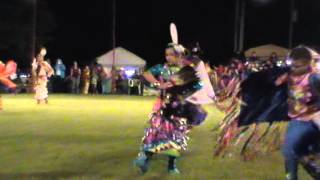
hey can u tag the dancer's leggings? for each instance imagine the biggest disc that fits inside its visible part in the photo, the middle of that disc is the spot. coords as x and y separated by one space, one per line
171 160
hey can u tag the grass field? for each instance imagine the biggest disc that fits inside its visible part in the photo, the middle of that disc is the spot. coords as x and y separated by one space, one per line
97 137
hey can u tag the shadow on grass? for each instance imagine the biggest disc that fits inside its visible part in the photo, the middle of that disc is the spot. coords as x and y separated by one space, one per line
66 138
40 175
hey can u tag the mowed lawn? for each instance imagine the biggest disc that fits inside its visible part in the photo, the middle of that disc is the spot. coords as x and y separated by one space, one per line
98 137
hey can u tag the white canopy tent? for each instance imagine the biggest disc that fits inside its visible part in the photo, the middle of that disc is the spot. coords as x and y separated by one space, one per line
123 59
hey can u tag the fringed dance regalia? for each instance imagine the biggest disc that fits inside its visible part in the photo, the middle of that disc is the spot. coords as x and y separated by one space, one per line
252 126
247 103
168 129
169 122
6 70
42 70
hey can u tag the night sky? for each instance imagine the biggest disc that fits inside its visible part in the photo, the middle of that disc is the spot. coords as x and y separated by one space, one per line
84 28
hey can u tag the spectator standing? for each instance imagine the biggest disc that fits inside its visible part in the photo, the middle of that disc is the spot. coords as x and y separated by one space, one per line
85 80
75 74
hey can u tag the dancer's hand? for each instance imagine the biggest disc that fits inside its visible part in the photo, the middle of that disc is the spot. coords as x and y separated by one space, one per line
165 85
281 79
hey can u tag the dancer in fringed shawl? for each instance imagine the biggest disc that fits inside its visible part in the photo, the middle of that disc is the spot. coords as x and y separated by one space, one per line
278 94
6 70
173 115
42 71
166 135
242 94
303 133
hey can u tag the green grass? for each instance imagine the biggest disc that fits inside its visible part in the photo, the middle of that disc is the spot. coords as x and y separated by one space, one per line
97 137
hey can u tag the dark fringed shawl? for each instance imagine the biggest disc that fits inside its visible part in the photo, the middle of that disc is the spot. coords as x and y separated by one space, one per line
189 83
249 125
263 101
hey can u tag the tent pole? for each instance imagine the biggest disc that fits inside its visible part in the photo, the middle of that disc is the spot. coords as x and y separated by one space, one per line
33 41
113 69
236 27
242 25
34 29
293 18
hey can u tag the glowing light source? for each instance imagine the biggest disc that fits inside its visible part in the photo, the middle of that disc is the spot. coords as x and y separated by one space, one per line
279 63
129 72
288 62
24 77
43 51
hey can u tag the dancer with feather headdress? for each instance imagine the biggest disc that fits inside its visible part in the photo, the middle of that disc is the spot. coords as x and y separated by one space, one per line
177 109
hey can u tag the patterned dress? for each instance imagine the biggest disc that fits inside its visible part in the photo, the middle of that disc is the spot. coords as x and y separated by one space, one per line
168 129
45 71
